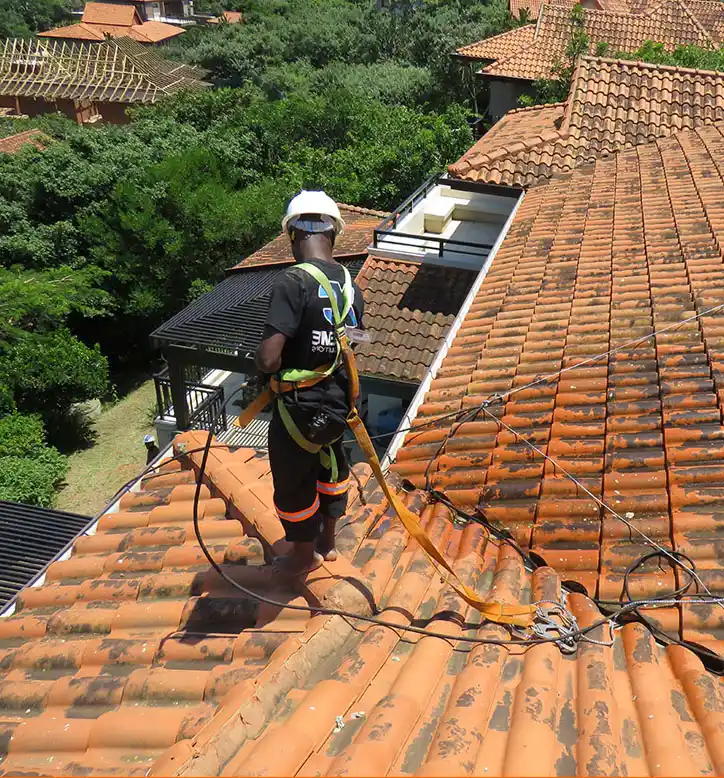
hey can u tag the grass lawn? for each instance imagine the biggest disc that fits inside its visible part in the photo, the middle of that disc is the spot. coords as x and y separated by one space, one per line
118 454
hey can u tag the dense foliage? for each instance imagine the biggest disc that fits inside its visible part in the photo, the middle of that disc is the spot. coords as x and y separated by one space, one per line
30 470
681 56
110 230
23 18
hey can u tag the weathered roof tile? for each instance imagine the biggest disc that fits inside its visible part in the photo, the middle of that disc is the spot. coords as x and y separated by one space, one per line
607 110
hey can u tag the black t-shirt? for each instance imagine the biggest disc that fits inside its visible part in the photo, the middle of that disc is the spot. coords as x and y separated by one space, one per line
300 310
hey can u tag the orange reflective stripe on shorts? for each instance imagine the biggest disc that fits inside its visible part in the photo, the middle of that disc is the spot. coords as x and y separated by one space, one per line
307 513
333 489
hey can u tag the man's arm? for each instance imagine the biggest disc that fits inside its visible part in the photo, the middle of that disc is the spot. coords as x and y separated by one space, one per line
283 319
269 352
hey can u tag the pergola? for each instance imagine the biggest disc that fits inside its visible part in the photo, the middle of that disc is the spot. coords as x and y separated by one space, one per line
221 329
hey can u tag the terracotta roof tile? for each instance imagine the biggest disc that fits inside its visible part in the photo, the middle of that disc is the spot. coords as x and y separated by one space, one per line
671 22
360 224
612 105
13 143
500 46
428 706
110 13
406 315
154 32
101 20
133 644
594 259
615 6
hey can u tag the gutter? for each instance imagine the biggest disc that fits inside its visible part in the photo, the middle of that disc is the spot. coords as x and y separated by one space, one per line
424 387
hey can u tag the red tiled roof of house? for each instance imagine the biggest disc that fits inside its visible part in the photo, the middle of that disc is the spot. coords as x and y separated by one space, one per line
613 104
232 17
133 643
326 696
110 13
409 308
101 20
615 6
671 22
359 226
500 46
14 143
593 260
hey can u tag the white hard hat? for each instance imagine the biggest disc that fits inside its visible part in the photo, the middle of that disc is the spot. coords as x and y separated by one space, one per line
149 439
314 204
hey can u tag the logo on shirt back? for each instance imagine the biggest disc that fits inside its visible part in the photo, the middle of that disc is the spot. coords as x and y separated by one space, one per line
351 320
324 341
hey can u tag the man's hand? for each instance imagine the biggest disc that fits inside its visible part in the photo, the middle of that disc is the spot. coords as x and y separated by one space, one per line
269 353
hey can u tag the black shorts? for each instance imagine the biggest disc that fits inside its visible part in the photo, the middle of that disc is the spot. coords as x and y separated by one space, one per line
303 489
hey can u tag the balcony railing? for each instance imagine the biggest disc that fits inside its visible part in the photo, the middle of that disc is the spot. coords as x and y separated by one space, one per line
388 233
206 403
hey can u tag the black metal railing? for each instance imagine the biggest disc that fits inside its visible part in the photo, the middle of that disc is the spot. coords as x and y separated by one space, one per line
387 230
211 413
407 206
205 403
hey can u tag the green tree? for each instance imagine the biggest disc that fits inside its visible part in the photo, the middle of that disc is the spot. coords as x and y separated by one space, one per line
50 372
23 18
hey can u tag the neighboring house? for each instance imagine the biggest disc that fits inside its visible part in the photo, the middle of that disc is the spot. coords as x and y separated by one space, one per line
531 8
87 82
230 17
513 60
112 20
409 308
135 658
613 105
14 143
170 11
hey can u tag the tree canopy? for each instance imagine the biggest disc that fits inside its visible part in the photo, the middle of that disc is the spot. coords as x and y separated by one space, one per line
112 229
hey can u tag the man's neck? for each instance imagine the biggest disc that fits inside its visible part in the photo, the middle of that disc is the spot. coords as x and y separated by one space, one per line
316 247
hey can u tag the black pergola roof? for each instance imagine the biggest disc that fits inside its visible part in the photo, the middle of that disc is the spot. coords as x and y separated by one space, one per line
229 318
30 539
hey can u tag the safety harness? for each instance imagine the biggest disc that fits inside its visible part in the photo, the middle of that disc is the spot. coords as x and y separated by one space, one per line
518 615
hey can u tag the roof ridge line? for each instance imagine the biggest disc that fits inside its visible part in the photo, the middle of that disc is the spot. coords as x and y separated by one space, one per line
651 65
682 4
362 210
524 108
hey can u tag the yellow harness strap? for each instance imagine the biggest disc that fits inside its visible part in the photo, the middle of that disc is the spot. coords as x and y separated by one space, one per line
518 615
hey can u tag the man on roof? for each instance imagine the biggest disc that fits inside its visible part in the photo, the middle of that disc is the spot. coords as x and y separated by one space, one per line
310 302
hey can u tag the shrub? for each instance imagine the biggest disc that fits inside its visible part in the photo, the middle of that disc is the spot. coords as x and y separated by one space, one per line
32 481
21 436
50 372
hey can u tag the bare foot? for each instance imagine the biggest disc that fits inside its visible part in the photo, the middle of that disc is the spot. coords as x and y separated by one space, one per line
325 544
294 564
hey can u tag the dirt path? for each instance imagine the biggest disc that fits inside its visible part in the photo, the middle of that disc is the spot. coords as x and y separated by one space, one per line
95 474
